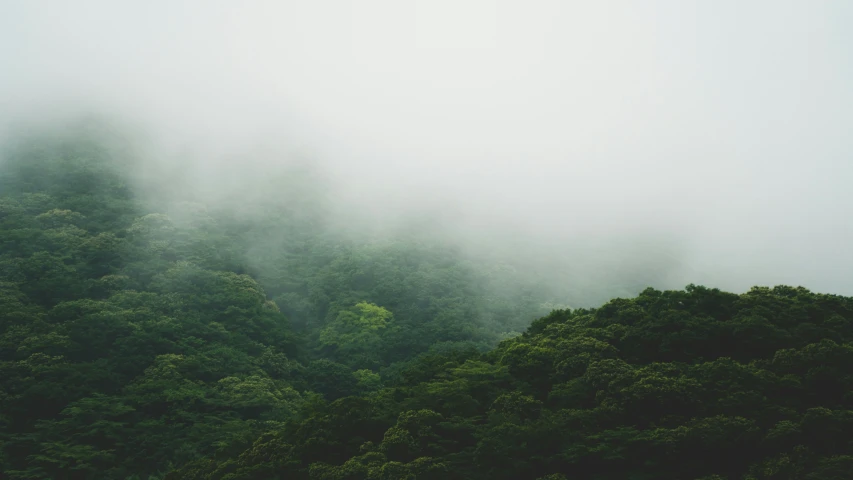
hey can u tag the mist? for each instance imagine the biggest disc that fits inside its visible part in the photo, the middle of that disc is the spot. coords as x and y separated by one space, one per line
674 142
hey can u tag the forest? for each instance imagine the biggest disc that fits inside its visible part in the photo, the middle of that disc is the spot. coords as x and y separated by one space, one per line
150 333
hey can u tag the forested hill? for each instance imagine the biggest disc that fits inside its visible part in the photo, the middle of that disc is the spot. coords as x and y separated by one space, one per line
149 332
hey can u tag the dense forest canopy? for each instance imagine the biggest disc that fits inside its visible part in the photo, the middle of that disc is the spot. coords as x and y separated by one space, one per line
426 239
149 330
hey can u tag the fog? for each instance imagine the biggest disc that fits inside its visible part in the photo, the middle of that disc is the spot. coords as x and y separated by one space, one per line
677 141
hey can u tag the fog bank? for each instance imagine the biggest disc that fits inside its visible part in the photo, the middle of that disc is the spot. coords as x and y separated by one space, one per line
675 141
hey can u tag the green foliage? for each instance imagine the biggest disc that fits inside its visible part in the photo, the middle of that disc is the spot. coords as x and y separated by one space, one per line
622 392
171 338
356 335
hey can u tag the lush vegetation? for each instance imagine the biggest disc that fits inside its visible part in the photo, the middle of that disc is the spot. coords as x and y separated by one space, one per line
148 332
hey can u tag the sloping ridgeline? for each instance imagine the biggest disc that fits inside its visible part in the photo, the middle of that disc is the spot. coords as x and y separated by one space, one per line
138 340
693 384
138 332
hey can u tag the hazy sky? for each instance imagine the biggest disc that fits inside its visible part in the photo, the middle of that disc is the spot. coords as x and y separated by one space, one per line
727 125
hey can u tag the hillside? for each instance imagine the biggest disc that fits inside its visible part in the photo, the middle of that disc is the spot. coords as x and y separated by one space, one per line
693 384
153 333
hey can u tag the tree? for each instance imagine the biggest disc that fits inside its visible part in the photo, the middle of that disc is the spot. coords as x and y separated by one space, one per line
356 335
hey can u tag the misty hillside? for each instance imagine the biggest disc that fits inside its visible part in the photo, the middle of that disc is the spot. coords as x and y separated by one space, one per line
426 240
155 327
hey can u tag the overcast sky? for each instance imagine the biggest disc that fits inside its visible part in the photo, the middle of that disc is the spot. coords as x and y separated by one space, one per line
727 125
